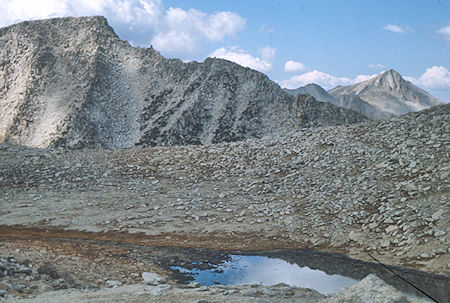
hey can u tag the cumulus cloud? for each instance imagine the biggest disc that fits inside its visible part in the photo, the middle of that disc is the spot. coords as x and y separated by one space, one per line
377 66
294 66
173 32
267 53
325 80
181 31
241 57
361 78
444 33
435 77
133 12
396 28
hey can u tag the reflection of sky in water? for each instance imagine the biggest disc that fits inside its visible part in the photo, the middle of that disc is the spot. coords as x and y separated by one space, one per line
268 271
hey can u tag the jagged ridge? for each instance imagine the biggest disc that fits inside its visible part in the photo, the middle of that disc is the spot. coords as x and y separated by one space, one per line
73 82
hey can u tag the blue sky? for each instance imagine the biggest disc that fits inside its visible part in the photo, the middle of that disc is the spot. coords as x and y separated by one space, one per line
294 42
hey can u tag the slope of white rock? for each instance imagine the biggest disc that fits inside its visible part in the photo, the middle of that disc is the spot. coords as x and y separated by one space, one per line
72 82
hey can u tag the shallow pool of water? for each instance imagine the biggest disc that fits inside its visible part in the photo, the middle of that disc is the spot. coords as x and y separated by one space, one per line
241 269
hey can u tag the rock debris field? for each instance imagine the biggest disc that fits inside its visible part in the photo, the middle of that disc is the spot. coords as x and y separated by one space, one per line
379 187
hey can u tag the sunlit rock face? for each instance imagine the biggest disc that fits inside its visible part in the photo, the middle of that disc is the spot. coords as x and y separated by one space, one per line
384 95
72 82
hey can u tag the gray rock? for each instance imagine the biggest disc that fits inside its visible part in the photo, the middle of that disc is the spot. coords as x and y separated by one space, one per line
440 233
160 290
194 284
391 228
437 215
250 292
370 289
385 243
354 236
113 283
388 221
153 278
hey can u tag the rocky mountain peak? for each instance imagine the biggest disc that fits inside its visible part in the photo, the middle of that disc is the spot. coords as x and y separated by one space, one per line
81 25
313 85
386 94
313 90
73 82
390 80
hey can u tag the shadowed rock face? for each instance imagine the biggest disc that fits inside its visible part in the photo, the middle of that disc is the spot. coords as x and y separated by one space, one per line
311 113
72 82
352 102
313 90
357 104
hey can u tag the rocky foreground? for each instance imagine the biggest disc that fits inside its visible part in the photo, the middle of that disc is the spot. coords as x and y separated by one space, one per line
370 289
378 187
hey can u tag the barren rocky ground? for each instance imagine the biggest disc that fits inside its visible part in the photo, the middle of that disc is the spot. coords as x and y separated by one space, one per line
378 187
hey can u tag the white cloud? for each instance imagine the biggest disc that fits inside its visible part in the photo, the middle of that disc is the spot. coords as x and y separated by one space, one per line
241 57
267 53
325 80
361 78
173 32
445 33
133 12
294 66
435 77
173 42
396 28
181 31
19 10
377 66
214 27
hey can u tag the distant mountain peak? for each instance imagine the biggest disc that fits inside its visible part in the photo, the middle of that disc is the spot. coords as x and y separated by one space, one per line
390 79
382 96
389 93
313 90
392 72
312 85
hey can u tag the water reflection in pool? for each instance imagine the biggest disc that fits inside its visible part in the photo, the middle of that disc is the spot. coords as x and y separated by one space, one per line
242 269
